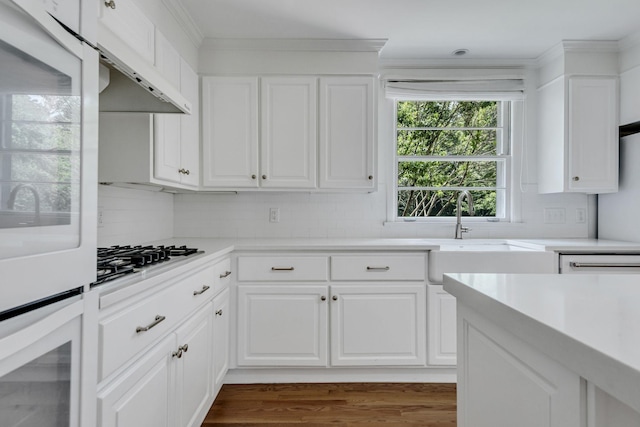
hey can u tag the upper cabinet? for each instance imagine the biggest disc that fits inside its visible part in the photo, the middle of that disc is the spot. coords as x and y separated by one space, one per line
159 149
131 25
578 127
346 132
264 133
288 132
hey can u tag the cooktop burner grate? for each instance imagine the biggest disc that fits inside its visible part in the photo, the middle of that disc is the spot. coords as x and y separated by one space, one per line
117 261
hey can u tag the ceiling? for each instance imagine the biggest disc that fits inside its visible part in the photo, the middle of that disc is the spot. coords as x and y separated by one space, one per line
423 29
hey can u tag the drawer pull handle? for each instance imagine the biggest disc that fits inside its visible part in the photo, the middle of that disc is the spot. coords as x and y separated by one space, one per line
226 274
574 264
377 268
219 313
204 289
282 268
157 320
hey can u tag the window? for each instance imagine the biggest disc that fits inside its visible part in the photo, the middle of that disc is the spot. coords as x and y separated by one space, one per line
444 147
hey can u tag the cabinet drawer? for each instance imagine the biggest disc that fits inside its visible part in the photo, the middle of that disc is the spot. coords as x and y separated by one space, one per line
283 268
378 267
129 331
221 275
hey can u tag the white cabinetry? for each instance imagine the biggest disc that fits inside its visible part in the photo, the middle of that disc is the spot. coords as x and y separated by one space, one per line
164 353
263 132
230 132
289 132
131 25
441 309
378 318
504 382
195 363
143 396
282 325
346 132
578 135
160 149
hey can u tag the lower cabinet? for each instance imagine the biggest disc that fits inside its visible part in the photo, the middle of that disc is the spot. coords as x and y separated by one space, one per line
503 381
144 396
441 309
370 325
194 366
221 325
169 386
172 368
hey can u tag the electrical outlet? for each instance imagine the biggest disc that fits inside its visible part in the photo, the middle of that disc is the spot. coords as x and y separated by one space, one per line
274 215
100 216
554 216
581 216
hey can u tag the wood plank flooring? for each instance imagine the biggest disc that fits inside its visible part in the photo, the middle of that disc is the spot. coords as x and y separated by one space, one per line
334 405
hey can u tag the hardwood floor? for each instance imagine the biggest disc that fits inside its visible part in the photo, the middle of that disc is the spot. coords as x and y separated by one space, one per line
335 405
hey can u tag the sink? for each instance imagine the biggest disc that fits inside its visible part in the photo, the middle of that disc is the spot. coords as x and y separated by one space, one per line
483 247
488 256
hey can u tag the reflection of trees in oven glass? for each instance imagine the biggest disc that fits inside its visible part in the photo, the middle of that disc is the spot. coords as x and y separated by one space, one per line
41 147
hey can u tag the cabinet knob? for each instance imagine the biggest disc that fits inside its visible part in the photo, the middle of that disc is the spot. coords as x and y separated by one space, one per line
335 297
184 348
219 312
264 176
110 4
370 177
177 354
323 298
576 178
253 176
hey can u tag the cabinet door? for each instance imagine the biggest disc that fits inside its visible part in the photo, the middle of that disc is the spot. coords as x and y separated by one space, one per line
282 325
289 132
503 381
378 324
346 132
441 309
593 134
143 396
220 339
189 128
230 132
131 25
194 368
166 127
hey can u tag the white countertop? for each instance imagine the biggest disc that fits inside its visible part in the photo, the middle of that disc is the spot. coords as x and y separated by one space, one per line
590 324
211 245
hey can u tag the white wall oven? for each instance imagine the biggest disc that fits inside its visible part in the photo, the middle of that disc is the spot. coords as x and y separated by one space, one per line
48 140
48 186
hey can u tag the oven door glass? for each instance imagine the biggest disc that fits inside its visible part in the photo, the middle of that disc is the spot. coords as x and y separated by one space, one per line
40 140
38 394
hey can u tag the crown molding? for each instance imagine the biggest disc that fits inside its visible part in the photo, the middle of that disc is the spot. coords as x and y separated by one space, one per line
565 46
455 63
315 45
186 22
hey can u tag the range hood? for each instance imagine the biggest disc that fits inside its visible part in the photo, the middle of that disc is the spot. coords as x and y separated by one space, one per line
129 84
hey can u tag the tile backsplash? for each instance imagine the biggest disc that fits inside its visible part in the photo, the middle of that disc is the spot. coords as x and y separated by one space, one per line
133 216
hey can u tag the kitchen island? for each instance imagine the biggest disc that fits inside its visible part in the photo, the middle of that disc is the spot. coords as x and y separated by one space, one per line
547 350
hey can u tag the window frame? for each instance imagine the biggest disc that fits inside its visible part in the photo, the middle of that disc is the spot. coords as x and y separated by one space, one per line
503 158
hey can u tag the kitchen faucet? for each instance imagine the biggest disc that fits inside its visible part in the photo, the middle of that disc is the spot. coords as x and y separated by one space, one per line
36 199
459 228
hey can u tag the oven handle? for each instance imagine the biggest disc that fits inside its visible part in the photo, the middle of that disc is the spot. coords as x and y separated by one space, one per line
574 264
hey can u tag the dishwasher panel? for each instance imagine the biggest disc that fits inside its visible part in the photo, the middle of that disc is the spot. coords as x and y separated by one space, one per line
599 264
